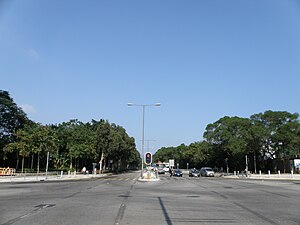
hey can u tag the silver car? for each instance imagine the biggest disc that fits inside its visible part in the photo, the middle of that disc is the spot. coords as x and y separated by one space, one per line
161 171
207 172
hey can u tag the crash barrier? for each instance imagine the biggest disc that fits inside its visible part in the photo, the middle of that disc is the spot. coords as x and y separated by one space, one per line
7 171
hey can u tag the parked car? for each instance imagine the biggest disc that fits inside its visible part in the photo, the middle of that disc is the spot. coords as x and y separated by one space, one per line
207 172
194 173
177 173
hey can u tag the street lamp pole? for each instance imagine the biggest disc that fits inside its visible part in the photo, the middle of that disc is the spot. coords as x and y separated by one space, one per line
143 141
143 129
147 147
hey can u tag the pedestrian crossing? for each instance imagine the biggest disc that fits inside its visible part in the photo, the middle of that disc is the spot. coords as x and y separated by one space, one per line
119 179
179 178
162 178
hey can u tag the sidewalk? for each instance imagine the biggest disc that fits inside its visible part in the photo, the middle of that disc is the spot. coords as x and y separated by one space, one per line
42 177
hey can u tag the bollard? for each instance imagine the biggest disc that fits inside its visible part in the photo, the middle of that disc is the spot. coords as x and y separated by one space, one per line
74 173
69 173
234 173
238 173
260 174
292 174
269 172
61 173
278 173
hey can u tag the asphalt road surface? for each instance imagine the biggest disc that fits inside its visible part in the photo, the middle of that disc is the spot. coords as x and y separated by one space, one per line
122 199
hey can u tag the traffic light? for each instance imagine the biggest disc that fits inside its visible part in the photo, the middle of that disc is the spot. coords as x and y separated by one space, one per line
148 158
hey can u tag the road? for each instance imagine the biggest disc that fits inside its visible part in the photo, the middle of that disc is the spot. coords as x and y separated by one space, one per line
122 199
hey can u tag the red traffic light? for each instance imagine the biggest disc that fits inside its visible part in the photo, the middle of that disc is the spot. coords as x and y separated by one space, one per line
148 158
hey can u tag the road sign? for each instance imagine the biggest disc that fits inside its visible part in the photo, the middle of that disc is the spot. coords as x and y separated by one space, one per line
171 163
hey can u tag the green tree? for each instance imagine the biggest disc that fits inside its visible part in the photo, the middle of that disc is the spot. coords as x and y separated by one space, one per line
22 146
103 142
197 154
12 118
176 153
43 139
122 147
282 140
228 138
76 144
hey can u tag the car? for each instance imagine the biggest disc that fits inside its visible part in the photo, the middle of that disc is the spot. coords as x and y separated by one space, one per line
161 171
194 173
207 172
166 168
177 173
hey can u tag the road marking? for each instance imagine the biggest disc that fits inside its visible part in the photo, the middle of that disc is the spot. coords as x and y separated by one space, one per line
223 196
120 214
123 206
277 194
165 212
256 214
121 179
37 209
72 195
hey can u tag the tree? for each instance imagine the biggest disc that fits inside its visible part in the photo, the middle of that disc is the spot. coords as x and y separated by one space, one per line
122 147
43 139
228 138
256 138
103 142
21 147
12 118
176 153
282 140
197 154
76 144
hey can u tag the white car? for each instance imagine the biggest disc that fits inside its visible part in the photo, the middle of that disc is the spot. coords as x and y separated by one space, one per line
166 169
207 172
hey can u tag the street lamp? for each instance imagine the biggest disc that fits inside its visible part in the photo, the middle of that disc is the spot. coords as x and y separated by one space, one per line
143 128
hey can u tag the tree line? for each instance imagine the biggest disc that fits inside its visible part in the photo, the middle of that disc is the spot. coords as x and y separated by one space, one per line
269 140
72 145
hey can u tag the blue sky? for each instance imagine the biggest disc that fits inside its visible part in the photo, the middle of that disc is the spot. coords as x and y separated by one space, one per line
200 59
